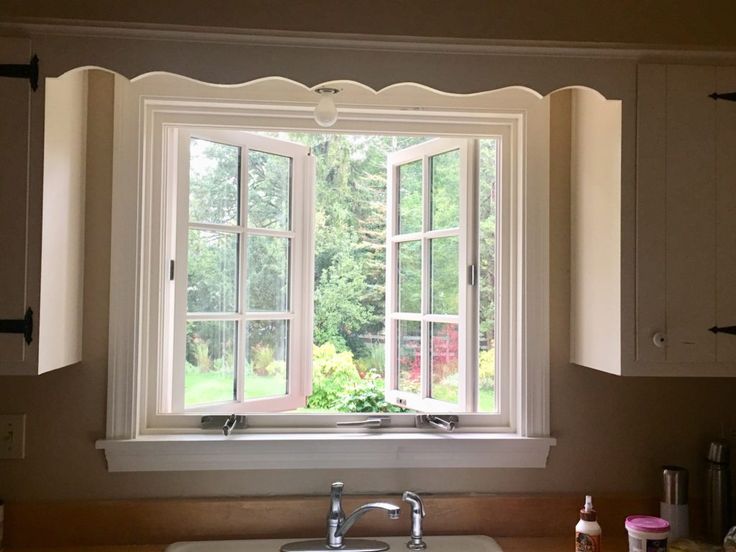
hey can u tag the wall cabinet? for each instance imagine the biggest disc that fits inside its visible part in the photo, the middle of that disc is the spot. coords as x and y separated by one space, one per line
684 224
686 218
42 145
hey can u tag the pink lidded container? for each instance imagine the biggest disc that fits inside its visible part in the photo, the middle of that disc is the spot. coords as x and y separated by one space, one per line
647 533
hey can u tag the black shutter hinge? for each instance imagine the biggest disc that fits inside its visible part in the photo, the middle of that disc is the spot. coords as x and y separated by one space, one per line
21 326
730 96
727 330
22 71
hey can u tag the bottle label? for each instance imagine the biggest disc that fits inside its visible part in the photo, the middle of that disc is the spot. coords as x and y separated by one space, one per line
587 543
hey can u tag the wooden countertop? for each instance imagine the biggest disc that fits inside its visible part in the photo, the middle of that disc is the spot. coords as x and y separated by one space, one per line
509 544
145 525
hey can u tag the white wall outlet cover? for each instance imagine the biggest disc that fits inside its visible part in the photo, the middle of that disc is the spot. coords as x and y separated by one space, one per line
12 435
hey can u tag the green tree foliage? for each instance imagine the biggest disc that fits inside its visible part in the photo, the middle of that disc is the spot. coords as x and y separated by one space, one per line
341 311
487 268
350 233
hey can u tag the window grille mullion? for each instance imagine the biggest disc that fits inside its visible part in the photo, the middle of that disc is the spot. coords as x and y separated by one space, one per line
426 279
240 353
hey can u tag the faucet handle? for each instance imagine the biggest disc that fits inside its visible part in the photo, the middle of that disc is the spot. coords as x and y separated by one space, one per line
417 504
336 500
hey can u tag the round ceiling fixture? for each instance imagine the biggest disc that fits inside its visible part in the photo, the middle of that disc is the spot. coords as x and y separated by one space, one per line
325 114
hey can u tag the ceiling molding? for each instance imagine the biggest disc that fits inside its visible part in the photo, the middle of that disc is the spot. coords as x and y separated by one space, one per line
651 53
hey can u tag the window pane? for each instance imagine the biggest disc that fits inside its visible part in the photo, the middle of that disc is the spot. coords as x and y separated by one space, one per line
214 182
268 273
410 198
213 271
210 362
410 356
269 190
487 276
410 276
444 273
445 173
267 359
444 362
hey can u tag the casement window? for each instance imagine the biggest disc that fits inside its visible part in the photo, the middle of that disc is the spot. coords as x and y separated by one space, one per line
240 256
433 264
223 276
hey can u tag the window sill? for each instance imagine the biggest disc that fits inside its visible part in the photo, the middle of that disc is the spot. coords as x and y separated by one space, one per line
325 450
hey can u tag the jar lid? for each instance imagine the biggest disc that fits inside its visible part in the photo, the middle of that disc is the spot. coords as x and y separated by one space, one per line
647 524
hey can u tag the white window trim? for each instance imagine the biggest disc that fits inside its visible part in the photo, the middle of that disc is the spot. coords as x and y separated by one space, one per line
131 446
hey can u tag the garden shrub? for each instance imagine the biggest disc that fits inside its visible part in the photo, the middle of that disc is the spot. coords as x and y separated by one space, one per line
202 356
276 368
333 374
373 360
337 385
487 368
262 359
367 395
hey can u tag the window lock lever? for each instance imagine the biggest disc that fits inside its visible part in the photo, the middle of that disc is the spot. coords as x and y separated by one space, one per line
443 422
373 421
225 423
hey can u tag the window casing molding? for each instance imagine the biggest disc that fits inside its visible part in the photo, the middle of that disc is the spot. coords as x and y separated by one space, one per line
132 328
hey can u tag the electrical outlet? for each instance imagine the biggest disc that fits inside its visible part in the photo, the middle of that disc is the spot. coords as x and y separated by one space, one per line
12 435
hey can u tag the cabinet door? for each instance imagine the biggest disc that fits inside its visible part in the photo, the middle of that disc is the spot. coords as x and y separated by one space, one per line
725 215
14 128
651 293
690 208
686 214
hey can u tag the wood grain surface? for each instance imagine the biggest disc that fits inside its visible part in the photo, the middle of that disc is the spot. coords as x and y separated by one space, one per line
163 521
509 544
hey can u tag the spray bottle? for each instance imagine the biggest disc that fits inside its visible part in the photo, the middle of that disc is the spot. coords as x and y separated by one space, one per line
588 531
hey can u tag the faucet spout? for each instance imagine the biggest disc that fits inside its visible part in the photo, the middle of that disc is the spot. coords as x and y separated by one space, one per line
338 525
392 511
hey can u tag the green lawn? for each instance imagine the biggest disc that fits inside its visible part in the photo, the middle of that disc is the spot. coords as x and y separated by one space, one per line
208 387
487 400
449 393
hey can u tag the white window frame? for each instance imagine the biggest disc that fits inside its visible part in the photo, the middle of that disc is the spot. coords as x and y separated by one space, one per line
468 292
175 293
422 152
137 441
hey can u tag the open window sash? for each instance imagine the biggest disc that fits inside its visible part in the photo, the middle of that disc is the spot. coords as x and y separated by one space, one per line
241 270
431 305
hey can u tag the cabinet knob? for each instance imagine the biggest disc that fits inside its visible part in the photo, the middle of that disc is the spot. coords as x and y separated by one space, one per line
659 340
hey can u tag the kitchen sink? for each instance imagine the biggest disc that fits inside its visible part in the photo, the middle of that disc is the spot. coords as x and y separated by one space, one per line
459 543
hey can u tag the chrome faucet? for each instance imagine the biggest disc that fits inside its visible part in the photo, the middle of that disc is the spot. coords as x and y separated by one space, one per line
416 542
338 525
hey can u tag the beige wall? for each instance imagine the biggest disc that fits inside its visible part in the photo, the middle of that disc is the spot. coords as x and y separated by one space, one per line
651 22
613 433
